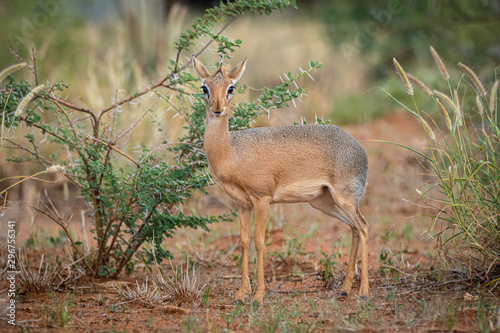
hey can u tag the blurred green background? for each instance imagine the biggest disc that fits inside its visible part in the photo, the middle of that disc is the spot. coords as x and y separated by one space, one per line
104 46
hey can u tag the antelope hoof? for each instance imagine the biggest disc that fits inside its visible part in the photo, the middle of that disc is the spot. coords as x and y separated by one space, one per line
363 298
238 302
256 304
258 298
258 301
240 296
343 295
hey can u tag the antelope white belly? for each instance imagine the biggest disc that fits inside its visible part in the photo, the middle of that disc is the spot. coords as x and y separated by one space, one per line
303 191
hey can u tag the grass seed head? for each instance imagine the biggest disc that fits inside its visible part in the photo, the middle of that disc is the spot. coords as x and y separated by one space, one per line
420 84
27 99
428 129
458 114
403 77
447 99
440 64
9 70
479 105
493 96
55 169
445 114
474 78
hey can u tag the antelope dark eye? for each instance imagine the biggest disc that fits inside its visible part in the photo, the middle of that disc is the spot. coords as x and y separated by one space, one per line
205 90
230 90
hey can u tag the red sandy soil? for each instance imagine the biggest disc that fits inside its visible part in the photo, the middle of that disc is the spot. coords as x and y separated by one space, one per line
408 294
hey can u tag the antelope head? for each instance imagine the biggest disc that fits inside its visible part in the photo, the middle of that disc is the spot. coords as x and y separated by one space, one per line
218 88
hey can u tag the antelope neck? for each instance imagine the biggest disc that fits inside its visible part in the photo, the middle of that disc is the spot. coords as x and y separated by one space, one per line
217 143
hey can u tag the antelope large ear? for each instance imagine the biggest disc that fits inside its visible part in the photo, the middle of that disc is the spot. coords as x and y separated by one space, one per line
237 71
200 69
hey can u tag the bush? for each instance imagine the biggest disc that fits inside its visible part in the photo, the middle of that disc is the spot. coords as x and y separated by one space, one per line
463 155
133 200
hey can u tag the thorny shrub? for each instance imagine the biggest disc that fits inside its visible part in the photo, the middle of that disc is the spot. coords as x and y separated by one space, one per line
133 200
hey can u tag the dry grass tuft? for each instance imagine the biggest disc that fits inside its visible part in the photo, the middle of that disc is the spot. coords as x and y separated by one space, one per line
183 287
142 293
36 280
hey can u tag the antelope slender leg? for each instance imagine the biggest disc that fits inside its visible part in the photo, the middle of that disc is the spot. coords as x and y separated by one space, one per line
245 222
349 278
261 210
363 290
359 228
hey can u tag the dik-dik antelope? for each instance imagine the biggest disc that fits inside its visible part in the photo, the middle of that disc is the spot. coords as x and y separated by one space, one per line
319 164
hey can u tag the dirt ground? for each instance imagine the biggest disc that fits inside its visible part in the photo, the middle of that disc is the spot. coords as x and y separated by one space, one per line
409 290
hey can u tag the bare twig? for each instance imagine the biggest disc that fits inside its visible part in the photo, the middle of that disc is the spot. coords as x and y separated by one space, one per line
66 232
33 60
71 276
394 268
121 135
111 146
74 107
160 83
133 244
183 117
